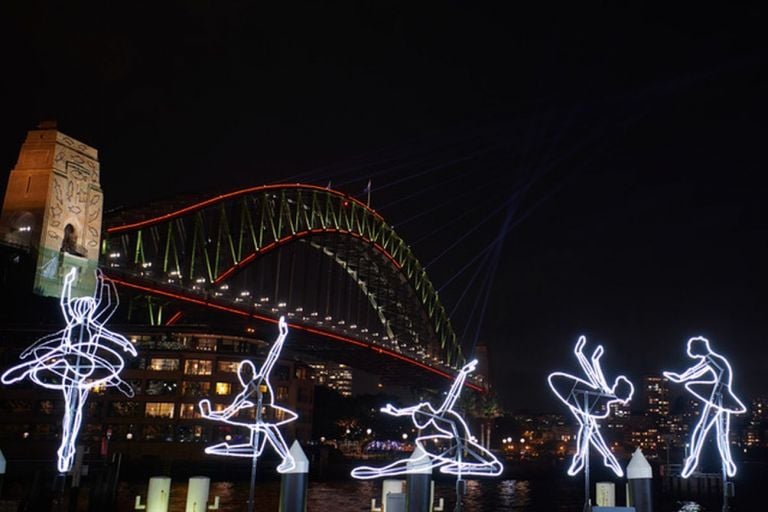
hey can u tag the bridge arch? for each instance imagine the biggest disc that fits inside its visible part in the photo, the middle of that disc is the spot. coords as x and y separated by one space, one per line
206 251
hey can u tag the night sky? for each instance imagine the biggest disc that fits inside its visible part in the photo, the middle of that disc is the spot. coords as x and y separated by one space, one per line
616 152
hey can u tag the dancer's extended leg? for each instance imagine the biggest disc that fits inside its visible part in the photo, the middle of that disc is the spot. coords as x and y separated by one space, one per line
723 444
272 434
708 419
396 468
608 458
577 464
74 398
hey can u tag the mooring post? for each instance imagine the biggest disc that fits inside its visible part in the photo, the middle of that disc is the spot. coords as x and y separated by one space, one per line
197 495
158 493
418 482
640 476
293 484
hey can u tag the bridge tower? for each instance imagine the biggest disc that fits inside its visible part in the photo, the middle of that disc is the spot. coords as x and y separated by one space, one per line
53 206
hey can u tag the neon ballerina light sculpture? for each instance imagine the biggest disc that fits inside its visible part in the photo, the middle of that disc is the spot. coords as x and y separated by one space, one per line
250 402
463 456
82 356
590 400
717 398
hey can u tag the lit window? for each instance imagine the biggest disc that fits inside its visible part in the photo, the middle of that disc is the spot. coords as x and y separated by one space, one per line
189 411
223 388
228 366
164 364
198 367
159 410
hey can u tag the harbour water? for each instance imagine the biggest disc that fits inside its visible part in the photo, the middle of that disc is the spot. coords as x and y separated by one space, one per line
354 496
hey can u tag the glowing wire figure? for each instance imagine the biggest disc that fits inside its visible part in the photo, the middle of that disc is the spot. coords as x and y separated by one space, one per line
463 455
589 401
717 398
255 384
82 356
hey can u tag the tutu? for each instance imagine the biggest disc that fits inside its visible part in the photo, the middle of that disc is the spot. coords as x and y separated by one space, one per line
707 392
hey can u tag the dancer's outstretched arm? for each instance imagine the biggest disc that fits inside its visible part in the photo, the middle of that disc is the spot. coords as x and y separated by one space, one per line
66 296
455 391
240 402
693 372
45 339
105 291
274 351
119 340
400 411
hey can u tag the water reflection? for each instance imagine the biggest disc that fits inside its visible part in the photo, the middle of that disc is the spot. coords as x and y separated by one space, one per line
355 496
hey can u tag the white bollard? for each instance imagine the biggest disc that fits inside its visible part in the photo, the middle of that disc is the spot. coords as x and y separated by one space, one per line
605 494
639 474
197 495
158 493
293 484
387 486
419 482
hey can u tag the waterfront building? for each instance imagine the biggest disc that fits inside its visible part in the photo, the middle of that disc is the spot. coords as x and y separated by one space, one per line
333 376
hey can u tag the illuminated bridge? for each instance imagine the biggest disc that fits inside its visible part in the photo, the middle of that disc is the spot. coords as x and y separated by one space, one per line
349 286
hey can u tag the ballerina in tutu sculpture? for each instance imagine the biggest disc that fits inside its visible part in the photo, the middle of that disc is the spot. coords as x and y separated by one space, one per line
709 380
82 356
590 400
248 410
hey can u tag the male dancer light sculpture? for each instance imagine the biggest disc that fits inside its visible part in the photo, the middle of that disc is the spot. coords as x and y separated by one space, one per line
82 356
717 399
463 456
250 400
590 400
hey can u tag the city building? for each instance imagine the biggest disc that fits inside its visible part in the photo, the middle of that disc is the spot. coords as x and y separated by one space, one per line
334 376
756 431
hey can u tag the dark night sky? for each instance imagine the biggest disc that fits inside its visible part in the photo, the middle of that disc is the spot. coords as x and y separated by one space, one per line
644 129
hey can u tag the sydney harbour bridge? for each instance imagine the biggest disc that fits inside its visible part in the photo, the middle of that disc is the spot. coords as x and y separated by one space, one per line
349 286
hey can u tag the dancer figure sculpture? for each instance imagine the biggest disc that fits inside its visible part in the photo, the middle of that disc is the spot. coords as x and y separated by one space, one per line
590 400
709 380
81 357
247 410
438 427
